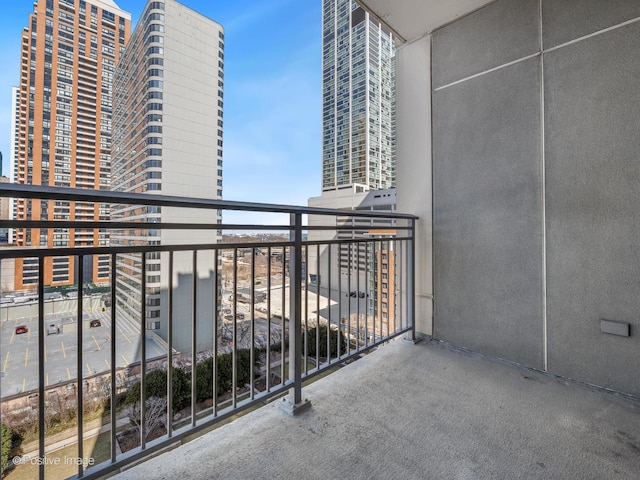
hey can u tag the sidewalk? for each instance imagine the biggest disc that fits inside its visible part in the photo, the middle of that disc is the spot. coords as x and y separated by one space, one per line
70 437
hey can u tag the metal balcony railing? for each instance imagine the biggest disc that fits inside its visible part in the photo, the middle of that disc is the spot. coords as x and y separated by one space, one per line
113 352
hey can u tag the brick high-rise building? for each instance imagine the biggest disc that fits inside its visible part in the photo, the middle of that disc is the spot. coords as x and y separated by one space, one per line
69 52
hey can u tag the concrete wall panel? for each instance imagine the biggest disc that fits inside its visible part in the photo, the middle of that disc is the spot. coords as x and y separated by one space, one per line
593 207
487 214
413 119
566 20
500 33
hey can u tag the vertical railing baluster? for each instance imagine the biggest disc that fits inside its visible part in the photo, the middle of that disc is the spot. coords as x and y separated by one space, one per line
318 283
397 300
112 406
216 315
305 334
366 295
268 386
283 314
194 336
348 322
79 359
329 308
411 290
399 285
252 313
339 322
357 295
41 372
143 352
378 290
372 299
234 342
170 348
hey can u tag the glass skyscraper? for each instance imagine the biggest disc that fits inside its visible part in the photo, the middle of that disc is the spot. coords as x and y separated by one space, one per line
358 99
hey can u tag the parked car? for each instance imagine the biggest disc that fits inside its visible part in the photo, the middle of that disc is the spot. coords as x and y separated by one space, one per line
21 329
361 294
95 323
53 329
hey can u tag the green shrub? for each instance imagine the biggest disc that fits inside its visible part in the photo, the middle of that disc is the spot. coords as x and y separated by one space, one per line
204 379
156 386
204 373
312 333
7 444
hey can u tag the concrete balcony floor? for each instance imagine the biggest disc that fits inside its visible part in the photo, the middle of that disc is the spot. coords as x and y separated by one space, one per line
424 411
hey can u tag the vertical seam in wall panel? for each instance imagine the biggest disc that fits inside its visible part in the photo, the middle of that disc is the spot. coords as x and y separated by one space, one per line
543 176
508 64
433 214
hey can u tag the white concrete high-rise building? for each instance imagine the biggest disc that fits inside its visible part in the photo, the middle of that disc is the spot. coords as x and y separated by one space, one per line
167 140
358 99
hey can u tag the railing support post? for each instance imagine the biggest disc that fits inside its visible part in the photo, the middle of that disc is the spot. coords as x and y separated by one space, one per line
411 282
294 404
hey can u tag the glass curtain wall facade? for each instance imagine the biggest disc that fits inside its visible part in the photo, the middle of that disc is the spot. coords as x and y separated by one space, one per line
69 53
168 139
358 109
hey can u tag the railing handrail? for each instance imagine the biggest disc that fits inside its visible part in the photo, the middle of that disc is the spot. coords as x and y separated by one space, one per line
43 192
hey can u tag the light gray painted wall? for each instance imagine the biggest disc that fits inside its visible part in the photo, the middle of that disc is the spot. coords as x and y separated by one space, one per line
535 185
413 126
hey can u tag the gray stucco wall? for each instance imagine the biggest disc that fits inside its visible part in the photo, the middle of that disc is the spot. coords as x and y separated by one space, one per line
567 20
536 185
593 207
501 33
487 213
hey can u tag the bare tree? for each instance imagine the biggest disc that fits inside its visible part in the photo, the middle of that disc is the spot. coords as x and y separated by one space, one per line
155 415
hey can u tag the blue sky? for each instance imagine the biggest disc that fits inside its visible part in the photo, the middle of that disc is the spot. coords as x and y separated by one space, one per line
272 129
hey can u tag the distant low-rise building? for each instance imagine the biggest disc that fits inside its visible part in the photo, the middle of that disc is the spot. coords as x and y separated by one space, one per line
368 272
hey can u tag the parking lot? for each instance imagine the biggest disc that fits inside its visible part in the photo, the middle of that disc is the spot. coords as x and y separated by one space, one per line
19 352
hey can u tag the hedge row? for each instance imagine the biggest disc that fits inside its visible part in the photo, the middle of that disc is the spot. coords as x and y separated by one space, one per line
156 380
